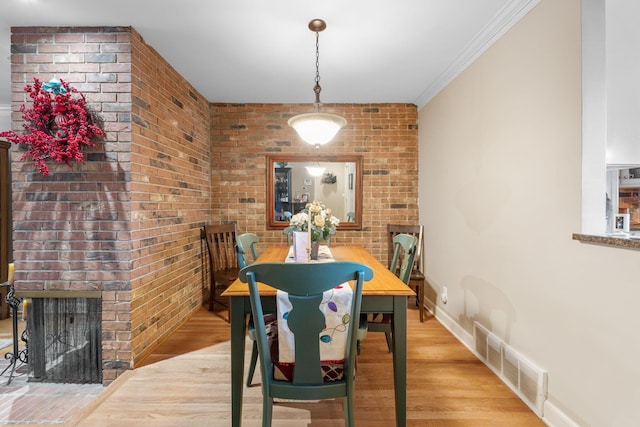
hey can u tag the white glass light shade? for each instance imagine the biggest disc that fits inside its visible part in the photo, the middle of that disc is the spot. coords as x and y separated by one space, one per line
317 128
315 170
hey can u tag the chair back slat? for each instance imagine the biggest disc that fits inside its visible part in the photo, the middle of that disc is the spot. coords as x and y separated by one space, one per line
306 322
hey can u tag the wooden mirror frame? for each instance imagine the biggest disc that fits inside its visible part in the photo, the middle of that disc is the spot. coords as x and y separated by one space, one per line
356 224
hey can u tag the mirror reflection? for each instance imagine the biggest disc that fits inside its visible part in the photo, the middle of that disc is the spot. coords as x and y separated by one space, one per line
623 200
296 180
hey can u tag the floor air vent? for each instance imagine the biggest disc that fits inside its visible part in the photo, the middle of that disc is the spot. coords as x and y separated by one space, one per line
526 379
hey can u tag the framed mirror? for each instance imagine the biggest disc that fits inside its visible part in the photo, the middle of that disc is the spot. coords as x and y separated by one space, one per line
295 180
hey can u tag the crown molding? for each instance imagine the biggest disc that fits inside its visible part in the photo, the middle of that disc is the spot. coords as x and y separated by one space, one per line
509 15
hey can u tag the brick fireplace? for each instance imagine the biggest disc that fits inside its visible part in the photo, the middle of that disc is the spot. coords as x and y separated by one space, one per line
124 225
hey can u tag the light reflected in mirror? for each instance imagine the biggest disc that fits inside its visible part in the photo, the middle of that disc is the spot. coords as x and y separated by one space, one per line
291 184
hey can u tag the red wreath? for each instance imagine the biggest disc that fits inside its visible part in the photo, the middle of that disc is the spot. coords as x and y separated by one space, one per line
57 124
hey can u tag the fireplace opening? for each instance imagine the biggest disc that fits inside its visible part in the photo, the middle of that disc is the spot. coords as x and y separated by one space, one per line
64 340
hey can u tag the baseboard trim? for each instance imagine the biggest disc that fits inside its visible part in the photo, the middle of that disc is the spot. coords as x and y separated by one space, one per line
554 417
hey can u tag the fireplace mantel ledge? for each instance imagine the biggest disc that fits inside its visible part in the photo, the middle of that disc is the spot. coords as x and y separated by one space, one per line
58 294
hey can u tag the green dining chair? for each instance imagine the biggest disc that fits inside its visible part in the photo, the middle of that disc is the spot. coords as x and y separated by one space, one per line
288 231
305 284
246 243
401 264
417 278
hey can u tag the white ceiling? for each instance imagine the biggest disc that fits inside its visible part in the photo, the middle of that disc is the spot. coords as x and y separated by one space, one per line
262 51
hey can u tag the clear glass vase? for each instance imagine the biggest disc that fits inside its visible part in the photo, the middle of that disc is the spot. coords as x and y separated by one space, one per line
314 250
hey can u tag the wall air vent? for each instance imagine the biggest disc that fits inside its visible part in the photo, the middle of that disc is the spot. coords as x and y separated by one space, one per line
527 380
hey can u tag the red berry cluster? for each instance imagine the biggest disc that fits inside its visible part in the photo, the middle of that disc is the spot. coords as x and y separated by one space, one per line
57 124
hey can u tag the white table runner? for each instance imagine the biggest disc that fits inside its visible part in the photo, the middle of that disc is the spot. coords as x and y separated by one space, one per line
336 306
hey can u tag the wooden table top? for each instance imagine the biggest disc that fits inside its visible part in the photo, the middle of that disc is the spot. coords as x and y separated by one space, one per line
384 282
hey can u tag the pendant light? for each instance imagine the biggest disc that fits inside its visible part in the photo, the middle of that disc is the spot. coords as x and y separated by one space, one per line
317 128
315 170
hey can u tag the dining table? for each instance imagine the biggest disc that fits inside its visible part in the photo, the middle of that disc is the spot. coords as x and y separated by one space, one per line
384 293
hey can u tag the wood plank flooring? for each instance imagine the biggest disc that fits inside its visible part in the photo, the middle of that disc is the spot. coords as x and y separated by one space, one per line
186 382
6 338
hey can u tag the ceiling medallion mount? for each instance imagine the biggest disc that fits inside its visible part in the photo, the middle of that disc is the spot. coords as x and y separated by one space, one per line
317 25
317 128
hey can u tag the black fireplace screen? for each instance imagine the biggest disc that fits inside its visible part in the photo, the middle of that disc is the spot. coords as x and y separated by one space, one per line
65 340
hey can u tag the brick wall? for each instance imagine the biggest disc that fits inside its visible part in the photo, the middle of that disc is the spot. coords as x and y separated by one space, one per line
126 222
170 197
386 135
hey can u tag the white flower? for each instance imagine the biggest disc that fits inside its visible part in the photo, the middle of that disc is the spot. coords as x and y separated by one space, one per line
323 224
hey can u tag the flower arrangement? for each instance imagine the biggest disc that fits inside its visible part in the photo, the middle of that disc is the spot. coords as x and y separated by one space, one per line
57 124
323 224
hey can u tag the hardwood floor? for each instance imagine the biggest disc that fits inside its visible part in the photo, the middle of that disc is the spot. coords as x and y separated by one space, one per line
186 382
6 336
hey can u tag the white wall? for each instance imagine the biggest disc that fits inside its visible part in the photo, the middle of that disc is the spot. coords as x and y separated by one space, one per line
5 117
623 81
500 186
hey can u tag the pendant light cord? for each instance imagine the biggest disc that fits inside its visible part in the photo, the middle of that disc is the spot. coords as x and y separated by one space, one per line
317 87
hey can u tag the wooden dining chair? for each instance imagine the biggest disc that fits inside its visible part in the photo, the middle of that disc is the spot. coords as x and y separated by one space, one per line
401 265
305 284
223 259
417 278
